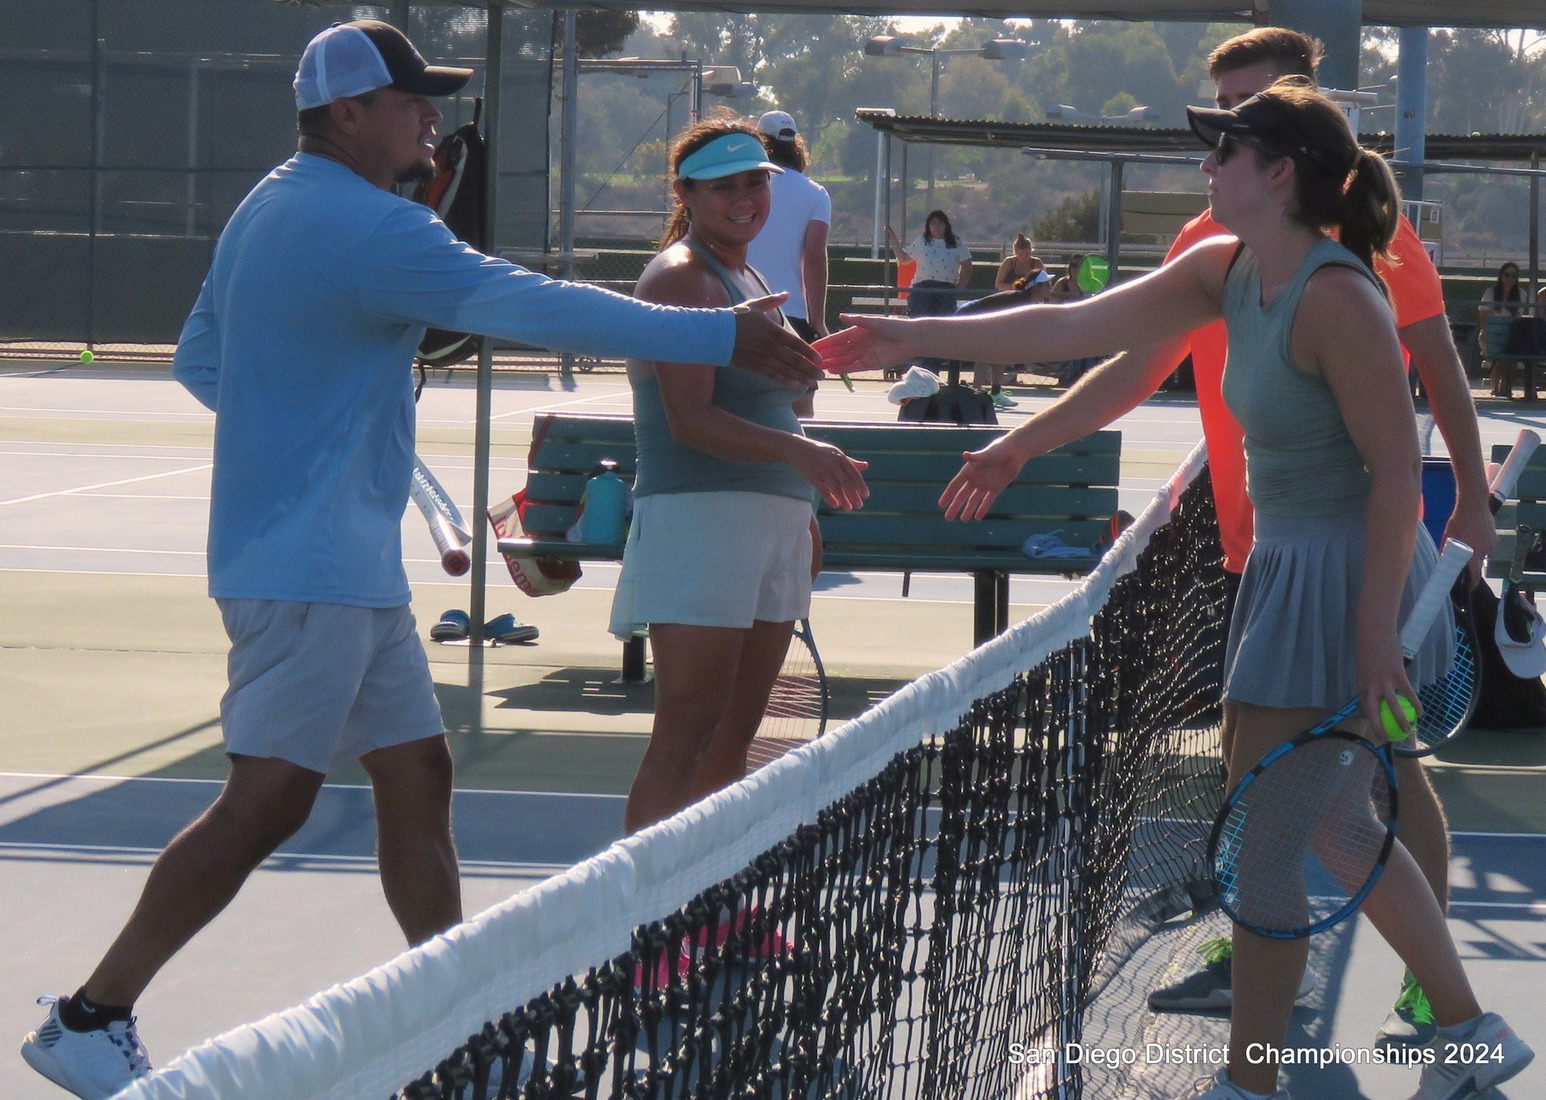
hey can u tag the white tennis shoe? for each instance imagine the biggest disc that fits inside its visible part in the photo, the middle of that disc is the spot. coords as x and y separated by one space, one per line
1220 1087
94 1065
1467 1068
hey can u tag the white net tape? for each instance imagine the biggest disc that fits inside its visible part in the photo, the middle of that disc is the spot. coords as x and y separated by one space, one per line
372 1035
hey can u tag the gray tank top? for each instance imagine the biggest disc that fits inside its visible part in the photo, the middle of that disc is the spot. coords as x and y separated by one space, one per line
1300 459
664 466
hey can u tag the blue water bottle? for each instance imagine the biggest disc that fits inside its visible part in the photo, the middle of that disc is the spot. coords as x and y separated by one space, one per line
605 503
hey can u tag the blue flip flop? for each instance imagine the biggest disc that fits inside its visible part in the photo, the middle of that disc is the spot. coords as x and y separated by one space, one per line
454 626
507 631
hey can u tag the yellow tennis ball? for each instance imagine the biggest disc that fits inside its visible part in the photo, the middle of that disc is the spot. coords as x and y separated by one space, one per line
86 356
1387 719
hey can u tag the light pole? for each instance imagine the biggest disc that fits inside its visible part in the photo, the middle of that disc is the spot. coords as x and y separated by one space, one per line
994 49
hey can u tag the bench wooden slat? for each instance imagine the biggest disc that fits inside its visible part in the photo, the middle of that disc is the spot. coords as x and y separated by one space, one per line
1075 501
1071 491
908 535
884 436
940 467
562 549
862 558
581 456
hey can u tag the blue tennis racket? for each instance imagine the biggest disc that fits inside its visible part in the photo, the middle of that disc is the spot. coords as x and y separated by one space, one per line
1304 835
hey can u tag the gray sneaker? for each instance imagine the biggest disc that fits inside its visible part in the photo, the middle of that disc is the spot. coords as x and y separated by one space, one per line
1208 986
1491 1055
1410 1023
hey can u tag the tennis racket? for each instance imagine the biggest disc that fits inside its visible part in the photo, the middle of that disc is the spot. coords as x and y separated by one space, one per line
446 526
1448 703
1518 620
797 707
1304 835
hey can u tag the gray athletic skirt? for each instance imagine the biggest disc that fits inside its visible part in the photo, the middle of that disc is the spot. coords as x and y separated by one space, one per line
1291 641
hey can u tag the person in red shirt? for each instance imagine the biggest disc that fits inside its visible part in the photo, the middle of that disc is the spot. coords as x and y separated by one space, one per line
1240 68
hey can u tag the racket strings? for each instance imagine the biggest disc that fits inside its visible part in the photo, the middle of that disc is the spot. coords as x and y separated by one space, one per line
1302 841
796 711
1447 703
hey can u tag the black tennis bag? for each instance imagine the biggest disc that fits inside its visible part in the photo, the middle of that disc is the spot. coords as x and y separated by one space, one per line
957 404
1506 701
458 192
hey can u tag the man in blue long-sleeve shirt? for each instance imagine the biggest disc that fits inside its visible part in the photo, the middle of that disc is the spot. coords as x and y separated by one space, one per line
302 342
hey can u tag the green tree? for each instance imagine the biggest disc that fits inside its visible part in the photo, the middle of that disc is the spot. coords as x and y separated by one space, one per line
1097 51
600 33
1474 84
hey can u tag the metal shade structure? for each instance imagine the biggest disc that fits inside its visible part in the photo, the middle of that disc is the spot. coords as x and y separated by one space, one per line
923 129
1529 14
1118 146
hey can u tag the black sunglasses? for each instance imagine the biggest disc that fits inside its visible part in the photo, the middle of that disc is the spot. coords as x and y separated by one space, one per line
1228 144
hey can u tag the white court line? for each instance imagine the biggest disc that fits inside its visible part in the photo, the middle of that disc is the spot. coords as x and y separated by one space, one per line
202 497
552 406
108 484
103 413
100 550
1537 908
102 450
106 572
101 777
52 851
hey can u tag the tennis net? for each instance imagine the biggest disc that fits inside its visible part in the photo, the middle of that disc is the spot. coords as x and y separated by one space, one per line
921 904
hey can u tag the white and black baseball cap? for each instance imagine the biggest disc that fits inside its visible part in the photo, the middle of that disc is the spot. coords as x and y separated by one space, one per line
350 59
778 124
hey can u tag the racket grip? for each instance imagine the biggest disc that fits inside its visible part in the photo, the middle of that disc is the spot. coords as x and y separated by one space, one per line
1503 482
454 558
1452 559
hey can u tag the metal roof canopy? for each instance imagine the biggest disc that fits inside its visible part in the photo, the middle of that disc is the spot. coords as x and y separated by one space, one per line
1530 14
1118 146
922 129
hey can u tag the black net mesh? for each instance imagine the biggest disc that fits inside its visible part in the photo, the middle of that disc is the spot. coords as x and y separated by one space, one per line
940 930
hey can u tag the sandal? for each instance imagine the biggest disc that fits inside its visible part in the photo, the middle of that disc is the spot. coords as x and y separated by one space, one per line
507 631
454 626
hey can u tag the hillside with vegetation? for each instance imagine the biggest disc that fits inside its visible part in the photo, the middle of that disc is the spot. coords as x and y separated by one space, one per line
815 68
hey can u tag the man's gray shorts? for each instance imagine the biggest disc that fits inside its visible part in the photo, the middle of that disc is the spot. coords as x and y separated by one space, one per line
318 683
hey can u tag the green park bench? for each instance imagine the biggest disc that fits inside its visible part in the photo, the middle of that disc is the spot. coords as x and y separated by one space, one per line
1071 491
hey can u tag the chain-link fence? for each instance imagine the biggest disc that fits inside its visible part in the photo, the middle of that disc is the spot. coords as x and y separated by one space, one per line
136 126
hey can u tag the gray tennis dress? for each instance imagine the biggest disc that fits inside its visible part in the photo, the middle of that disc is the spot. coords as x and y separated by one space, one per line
1292 638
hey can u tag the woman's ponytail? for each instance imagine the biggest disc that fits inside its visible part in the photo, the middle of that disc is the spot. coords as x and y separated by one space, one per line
1371 208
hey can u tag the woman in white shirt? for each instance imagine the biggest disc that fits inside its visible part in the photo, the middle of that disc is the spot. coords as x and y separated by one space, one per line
1504 298
944 267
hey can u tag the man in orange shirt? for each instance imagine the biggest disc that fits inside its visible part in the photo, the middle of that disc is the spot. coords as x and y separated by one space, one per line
1240 68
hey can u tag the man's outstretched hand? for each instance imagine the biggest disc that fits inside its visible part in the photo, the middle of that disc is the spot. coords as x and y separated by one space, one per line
985 475
868 343
765 347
